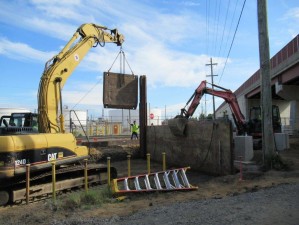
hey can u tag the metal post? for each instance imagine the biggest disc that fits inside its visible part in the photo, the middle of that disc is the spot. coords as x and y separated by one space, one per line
129 165
85 176
164 160
108 171
53 181
148 156
143 115
27 182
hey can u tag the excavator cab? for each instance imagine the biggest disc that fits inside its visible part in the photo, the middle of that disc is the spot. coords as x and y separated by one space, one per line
255 121
18 123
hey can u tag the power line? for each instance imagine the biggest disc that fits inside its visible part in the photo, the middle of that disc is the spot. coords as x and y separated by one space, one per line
86 94
217 25
232 40
207 25
224 28
231 25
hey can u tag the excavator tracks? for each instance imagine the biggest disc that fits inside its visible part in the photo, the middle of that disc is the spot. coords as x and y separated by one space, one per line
67 178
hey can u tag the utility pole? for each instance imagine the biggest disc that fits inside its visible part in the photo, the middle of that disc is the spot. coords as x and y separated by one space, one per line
266 92
212 77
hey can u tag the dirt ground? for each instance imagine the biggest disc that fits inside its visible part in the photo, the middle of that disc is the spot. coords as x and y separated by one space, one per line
208 187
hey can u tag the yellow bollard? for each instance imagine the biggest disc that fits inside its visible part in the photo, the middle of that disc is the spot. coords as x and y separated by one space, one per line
27 182
108 170
85 176
129 165
164 160
148 156
54 181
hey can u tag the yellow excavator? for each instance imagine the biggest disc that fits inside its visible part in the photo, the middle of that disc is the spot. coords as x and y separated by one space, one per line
21 145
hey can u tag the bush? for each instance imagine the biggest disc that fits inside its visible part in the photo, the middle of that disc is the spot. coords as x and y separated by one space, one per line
85 200
277 163
94 197
71 204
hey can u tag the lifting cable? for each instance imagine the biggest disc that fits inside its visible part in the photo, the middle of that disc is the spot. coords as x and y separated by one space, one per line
122 64
123 61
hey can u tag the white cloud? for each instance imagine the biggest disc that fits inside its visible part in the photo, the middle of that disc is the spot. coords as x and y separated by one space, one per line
293 17
62 10
23 51
292 13
284 28
164 46
54 29
150 38
190 3
85 94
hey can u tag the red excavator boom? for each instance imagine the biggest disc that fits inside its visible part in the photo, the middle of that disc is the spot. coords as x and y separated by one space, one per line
178 126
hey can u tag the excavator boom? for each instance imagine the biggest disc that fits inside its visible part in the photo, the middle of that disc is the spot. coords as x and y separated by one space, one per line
60 67
177 125
21 143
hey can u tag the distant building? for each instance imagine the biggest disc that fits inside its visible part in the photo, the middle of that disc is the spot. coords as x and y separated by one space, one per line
123 115
79 118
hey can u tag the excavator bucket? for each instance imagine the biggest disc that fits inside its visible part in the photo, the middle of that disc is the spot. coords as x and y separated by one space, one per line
177 126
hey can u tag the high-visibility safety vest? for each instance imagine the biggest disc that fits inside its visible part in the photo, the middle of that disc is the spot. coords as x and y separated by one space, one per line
135 128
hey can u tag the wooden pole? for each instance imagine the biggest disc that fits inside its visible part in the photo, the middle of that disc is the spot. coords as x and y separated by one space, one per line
211 64
266 92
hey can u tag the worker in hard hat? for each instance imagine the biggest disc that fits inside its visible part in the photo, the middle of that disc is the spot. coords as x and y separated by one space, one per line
134 130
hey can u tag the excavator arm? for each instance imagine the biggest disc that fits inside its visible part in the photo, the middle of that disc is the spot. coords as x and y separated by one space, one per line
177 125
60 67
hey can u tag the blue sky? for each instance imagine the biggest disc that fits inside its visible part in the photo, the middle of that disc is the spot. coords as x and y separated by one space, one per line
170 41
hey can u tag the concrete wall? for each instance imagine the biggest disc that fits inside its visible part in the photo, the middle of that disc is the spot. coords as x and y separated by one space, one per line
207 146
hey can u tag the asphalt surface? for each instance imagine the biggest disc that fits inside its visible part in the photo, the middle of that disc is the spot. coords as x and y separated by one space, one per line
276 206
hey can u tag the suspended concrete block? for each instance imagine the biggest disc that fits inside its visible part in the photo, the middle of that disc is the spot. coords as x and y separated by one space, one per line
120 91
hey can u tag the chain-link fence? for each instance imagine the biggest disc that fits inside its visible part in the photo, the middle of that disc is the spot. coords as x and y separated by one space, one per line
110 125
117 125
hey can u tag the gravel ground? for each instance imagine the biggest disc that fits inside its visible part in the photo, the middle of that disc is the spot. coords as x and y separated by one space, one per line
277 205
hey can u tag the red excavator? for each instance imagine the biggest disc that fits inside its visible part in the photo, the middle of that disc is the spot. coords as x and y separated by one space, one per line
252 127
